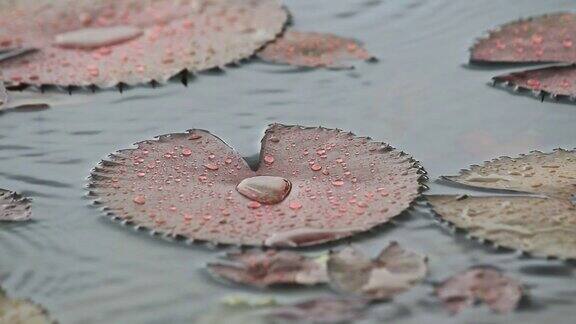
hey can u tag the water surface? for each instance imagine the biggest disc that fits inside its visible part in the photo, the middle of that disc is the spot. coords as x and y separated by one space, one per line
421 97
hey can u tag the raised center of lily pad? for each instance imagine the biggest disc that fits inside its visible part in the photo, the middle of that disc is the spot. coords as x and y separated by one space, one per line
265 189
97 37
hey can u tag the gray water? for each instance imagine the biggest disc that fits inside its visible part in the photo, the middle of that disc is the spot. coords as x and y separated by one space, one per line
421 97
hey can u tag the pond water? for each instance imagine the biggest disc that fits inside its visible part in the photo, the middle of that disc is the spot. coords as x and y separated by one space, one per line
421 97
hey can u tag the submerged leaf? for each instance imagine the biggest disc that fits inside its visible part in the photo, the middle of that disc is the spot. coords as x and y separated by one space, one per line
313 50
320 310
547 38
268 268
18 311
480 284
185 185
543 226
107 42
394 271
249 310
14 207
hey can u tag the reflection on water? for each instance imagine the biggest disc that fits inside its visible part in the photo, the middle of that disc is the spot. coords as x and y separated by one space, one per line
419 97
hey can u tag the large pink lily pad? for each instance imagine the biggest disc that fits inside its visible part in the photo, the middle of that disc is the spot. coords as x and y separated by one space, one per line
184 185
310 49
14 207
541 39
108 42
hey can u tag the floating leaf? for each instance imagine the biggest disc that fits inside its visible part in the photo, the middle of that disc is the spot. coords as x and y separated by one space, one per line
107 42
542 39
268 268
552 174
555 80
480 284
320 310
14 207
547 38
314 50
543 226
21 311
394 271
185 185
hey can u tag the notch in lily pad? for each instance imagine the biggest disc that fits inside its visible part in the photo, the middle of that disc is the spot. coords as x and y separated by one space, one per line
327 185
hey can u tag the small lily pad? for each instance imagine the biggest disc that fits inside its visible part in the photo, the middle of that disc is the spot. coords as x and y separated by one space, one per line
105 43
480 284
14 207
269 268
552 174
186 185
394 271
543 39
543 226
555 80
15 311
309 49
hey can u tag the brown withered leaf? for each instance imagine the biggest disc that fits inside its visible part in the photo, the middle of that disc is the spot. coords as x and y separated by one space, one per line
480 284
394 271
269 268
543 226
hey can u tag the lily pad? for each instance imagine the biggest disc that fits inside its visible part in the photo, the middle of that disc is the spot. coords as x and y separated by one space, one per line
394 271
106 42
555 80
22 311
543 226
552 174
542 39
309 49
269 268
185 186
480 284
14 207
